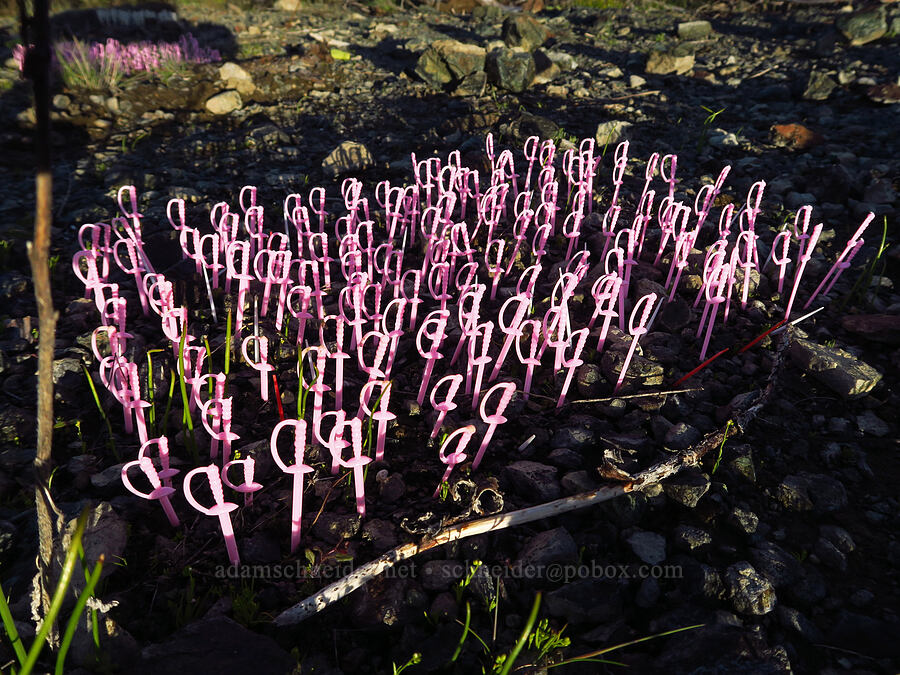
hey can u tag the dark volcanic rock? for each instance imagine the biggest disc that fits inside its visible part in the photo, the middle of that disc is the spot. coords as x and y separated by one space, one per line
215 645
510 69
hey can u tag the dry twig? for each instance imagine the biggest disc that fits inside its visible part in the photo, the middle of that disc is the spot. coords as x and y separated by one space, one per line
656 473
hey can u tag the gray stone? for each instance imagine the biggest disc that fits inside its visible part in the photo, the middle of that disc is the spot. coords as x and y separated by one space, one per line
794 620
391 488
443 608
578 432
382 534
545 70
237 78
723 647
510 69
348 157
881 191
720 138
751 593
648 546
838 370
627 510
67 372
776 564
864 26
472 84
681 436
839 537
534 480
870 423
812 492
550 546
743 520
641 372
215 645
522 30
8 533
575 482
648 593
393 603
703 581
694 30
589 380
106 533
440 575
118 645
260 548
690 538
865 635
809 590
612 72
108 481
829 554
333 527
225 102
819 86
636 81
663 62
862 597
687 487
565 458
447 62
589 601
612 132
675 314
739 462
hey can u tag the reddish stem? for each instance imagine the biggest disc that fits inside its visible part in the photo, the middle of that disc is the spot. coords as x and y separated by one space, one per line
277 397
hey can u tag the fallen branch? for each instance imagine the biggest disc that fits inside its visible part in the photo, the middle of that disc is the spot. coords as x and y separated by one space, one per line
691 457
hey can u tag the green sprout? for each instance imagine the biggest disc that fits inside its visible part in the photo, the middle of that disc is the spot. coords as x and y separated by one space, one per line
722 446
110 440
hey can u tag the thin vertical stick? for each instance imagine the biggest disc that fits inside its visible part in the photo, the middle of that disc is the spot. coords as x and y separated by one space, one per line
38 69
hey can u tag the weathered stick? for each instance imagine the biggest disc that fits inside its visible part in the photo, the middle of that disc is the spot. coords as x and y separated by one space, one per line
37 68
691 457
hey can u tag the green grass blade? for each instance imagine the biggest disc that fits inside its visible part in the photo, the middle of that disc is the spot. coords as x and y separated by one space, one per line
228 342
465 634
111 443
186 418
10 627
76 615
209 364
523 638
591 656
59 595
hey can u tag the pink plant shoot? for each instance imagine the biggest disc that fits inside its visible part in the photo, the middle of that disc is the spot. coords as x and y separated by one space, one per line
158 492
636 331
371 308
451 459
297 469
445 405
220 508
248 486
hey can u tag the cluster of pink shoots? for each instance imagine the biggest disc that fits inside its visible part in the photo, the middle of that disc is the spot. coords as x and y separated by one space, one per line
130 58
426 265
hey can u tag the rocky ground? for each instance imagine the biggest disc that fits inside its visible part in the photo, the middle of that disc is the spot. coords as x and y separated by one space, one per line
785 549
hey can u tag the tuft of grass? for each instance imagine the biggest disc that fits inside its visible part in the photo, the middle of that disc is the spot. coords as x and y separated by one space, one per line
28 660
105 66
